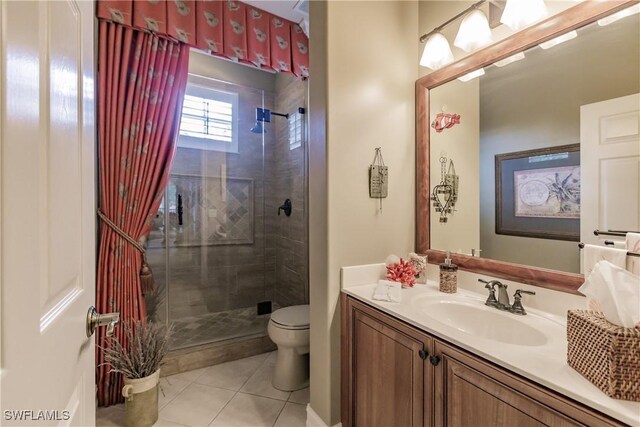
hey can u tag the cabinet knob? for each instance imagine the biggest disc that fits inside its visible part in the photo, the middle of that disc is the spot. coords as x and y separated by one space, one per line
434 360
423 354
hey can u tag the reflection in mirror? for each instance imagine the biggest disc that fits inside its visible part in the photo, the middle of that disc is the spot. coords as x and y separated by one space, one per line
537 205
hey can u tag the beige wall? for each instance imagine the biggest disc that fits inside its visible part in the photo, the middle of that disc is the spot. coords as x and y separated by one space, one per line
370 71
596 66
461 232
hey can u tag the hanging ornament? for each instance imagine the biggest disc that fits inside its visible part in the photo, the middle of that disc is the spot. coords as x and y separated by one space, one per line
445 120
453 180
442 195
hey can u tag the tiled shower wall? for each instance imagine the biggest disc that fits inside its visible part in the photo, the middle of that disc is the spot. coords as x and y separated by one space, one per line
287 236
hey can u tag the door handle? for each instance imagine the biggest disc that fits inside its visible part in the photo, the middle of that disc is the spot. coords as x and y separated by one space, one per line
180 209
94 320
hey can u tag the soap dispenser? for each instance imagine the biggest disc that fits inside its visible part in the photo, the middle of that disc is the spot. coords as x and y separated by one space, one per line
448 276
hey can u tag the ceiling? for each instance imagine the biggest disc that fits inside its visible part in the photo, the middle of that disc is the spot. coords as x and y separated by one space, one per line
293 10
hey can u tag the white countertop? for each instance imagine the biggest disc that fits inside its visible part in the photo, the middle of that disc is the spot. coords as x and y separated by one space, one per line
545 364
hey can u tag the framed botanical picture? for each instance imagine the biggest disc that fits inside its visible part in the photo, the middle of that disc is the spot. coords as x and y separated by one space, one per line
538 193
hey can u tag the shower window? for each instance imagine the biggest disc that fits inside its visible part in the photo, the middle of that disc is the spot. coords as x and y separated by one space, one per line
296 121
208 118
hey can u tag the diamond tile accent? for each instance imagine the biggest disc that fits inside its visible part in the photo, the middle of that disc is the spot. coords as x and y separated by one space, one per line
219 208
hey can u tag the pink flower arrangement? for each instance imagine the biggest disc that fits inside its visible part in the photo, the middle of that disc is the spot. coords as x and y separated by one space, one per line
402 272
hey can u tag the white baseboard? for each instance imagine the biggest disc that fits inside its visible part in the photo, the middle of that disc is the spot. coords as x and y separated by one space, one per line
314 420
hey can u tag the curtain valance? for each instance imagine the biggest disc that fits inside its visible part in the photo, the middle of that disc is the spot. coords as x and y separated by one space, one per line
226 28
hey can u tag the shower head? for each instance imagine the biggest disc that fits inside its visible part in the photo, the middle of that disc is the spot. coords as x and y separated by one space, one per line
263 115
258 128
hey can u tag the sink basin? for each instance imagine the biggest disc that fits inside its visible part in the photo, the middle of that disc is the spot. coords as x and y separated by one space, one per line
476 319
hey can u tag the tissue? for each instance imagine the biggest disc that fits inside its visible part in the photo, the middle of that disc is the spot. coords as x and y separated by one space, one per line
616 291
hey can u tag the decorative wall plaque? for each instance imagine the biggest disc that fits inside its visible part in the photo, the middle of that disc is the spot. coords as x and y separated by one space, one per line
378 178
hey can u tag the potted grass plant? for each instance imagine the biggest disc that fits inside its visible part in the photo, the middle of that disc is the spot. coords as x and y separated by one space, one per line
139 362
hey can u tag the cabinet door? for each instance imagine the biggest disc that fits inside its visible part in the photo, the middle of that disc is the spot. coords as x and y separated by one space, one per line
388 370
383 371
472 392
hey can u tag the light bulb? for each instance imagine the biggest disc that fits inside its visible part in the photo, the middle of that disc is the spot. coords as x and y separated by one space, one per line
437 52
508 60
619 15
472 75
561 39
522 13
474 32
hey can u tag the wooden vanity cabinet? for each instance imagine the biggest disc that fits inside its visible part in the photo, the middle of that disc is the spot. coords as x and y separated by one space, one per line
396 375
387 371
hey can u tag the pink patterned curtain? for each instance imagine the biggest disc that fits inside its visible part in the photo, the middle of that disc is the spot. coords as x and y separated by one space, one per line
226 28
142 80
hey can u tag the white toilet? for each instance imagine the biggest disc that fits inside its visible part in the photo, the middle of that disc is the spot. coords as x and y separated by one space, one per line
289 330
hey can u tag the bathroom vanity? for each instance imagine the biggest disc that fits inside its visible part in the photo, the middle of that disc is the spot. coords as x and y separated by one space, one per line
412 364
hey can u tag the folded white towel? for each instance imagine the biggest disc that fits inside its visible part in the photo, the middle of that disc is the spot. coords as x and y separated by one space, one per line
388 291
632 243
594 254
618 244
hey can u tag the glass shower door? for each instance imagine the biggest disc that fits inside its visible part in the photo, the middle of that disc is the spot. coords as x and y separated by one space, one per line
207 247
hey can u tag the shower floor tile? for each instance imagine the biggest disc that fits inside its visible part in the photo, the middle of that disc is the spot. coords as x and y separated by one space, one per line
212 327
222 395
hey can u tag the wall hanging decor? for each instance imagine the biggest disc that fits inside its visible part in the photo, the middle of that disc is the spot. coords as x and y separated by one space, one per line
378 178
538 193
443 193
445 120
452 179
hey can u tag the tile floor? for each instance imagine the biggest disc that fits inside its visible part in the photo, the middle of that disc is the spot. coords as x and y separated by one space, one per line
237 393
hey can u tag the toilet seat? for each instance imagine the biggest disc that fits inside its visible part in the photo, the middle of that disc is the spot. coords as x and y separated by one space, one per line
295 317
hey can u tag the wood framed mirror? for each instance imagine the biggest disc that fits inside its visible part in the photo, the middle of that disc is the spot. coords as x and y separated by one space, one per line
576 17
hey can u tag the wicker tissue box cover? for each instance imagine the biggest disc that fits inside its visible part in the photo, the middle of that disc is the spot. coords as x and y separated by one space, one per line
608 355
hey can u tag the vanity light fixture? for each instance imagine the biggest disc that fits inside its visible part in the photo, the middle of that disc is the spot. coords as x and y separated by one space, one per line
619 15
519 14
437 52
474 32
472 75
509 59
561 39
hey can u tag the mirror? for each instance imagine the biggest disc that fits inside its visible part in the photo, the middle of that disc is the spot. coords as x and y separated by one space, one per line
505 149
517 200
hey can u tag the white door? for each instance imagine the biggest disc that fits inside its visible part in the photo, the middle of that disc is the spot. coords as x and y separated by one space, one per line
610 167
47 212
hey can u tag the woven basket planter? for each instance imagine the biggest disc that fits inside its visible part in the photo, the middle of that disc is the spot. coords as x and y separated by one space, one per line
606 354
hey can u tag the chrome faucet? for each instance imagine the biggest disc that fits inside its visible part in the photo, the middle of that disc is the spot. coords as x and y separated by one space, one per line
502 303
